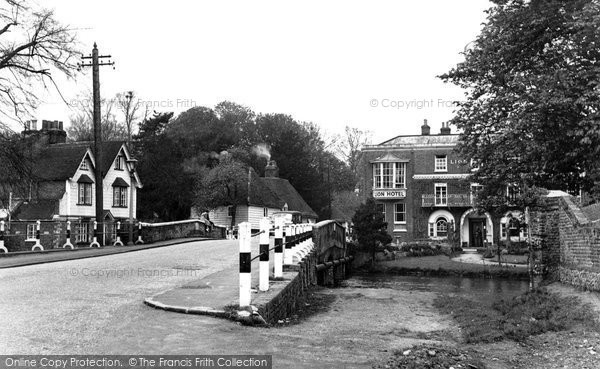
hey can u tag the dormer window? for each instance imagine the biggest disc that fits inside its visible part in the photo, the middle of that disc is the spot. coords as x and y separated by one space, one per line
441 163
119 162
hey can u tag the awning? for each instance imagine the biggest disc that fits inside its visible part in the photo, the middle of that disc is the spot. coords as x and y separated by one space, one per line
84 179
120 182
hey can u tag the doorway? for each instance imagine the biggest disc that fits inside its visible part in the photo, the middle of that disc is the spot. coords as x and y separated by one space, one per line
476 232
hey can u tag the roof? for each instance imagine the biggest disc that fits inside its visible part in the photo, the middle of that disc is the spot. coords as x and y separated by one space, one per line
110 149
261 194
418 140
59 161
592 211
36 210
286 192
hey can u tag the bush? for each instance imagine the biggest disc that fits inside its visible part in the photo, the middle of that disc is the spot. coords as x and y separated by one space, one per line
423 249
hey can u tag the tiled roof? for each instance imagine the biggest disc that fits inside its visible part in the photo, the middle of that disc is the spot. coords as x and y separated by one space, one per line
60 161
592 211
34 210
287 193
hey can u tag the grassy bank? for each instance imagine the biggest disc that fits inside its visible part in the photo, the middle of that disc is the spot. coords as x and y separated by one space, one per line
442 266
516 319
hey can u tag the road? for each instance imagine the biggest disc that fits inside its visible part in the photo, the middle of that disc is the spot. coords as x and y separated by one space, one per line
95 306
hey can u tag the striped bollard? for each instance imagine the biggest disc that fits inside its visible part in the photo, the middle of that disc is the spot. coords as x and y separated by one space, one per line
278 255
38 245
139 240
263 273
68 241
289 237
95 242
2 247
244 236
118 241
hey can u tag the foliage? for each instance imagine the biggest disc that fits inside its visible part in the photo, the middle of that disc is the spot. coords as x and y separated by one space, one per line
225 184
33 45
370 228
531 113
526 315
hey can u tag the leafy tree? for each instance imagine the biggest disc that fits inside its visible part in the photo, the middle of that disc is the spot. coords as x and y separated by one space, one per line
33 45
531 116
225 184
370 228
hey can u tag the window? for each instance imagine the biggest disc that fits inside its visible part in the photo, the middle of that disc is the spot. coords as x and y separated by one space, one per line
82 234
441 227
119 197
389 175
84 165
85 193
512 192
381 209
441 163
475 189
441 194
230 211
31 231
503 230
399 213
119 162
265 212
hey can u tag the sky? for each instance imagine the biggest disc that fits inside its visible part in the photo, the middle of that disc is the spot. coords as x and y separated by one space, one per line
366 64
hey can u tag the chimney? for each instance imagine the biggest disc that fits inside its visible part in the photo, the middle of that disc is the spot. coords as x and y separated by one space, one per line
445 130
271 170
425 129
53 129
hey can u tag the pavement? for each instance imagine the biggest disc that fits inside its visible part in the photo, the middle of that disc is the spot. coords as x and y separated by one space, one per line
473 257
17 259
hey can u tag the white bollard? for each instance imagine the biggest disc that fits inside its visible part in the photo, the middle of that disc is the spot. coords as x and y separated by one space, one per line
37 245
68 241
118 241
263 281
245 237
2 247
278 255
139 240
95 242
289 244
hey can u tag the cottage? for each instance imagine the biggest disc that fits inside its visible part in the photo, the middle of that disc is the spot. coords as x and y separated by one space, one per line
268 195
63 187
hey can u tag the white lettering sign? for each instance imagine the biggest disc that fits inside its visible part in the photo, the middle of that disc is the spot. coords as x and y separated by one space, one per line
389 194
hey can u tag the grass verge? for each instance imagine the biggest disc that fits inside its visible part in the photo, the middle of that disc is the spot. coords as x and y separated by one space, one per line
517 319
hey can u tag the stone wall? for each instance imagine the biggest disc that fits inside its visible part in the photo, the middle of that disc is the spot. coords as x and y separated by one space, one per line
169 231
570 242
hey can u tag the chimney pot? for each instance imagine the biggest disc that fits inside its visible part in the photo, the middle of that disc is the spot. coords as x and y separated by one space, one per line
271 170
425 129
445 130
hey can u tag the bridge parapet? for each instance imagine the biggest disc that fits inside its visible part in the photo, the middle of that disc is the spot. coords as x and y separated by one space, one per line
333 259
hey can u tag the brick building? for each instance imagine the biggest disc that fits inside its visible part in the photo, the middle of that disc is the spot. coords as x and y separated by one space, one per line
422 187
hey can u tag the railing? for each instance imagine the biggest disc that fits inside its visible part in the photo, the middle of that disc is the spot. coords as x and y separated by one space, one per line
451 200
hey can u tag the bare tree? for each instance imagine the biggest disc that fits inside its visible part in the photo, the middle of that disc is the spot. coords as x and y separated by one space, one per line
348 146
33 44
81 127
129 104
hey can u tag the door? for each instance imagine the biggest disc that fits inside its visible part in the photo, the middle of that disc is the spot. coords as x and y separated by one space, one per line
476 232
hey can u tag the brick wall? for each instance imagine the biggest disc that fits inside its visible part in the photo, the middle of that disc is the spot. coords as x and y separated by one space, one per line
570 242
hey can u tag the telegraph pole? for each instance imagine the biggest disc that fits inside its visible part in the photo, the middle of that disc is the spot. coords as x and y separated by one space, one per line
96 64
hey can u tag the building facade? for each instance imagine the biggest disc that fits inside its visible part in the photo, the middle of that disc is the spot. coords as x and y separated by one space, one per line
421 185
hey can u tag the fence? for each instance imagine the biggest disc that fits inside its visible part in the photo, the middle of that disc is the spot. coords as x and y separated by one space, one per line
58 234
318 252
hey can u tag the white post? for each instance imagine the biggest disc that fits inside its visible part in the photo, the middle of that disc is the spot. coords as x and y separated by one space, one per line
95 242
139 240
68 241
244 235
263 284
37 245
2 247
289 237
278 255
118 241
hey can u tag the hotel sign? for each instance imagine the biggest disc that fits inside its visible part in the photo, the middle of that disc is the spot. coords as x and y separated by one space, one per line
389 194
